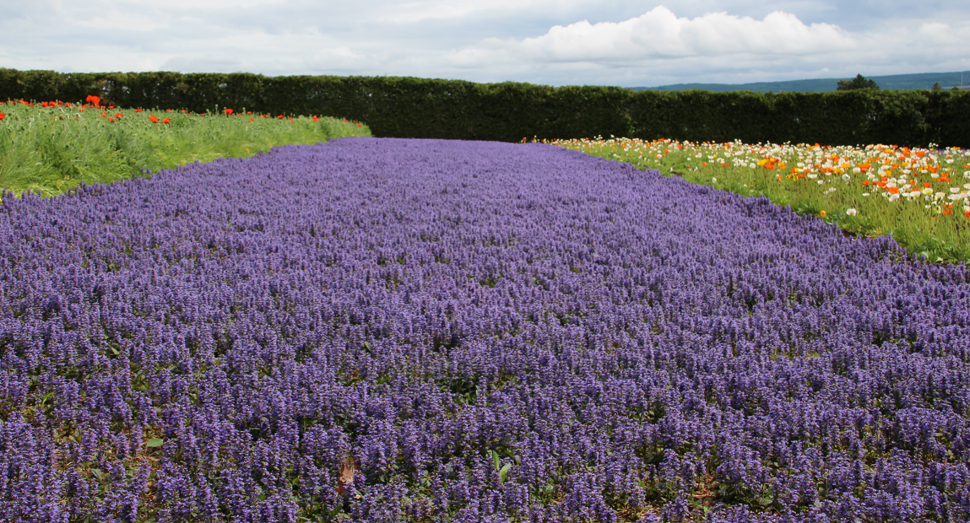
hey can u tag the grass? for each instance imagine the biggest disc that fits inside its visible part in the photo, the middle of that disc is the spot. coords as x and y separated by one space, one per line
48 148
919 196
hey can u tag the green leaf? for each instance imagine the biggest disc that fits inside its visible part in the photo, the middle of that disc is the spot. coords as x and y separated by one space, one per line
504 473
155 442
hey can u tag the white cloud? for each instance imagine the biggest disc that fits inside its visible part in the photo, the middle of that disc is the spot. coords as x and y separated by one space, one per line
659 34
556 42
735 49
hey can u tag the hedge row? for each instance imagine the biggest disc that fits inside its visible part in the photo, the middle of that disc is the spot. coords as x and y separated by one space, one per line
423 108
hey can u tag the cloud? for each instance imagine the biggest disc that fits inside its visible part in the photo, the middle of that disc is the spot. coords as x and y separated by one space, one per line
659 35
727 45
555 42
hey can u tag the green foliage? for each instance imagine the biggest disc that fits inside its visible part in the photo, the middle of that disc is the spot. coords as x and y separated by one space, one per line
52 149
859 82
406 107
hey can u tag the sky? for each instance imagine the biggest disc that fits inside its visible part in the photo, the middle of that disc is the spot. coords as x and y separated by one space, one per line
551 42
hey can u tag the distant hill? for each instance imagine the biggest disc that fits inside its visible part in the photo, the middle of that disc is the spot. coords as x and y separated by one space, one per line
897 82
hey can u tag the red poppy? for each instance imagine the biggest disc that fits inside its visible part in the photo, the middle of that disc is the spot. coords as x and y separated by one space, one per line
251 120
2 116
228 111
110 119
93 100
280 117
166 120
118 115
153 118
138 110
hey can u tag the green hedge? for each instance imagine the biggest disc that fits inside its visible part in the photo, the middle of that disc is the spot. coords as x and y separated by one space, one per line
422 108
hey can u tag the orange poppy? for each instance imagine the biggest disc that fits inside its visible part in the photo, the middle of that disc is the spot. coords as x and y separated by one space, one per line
166 120
153 118
2 116
228 111
93 100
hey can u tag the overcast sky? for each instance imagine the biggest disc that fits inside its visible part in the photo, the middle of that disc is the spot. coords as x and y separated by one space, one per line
552 42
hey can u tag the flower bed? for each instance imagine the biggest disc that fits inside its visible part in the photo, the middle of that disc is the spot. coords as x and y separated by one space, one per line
424 330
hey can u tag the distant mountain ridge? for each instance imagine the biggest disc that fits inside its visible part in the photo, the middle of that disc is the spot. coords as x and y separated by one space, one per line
896 82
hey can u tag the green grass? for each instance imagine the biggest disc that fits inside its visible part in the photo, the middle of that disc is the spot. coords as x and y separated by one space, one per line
49 150
931 225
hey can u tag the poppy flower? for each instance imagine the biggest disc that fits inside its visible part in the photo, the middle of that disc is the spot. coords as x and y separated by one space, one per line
138 110
2 116
93 100
153 118
251 120
118 115
280 117
166 120
228 111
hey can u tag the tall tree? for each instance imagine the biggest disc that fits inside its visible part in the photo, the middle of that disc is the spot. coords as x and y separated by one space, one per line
859 82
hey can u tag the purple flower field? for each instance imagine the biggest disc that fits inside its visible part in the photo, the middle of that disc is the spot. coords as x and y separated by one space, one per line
423 330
